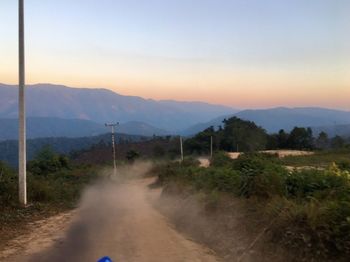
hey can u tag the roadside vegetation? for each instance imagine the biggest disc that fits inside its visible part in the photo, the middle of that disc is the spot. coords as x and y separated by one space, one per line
306 198
310 209
320 159
54 185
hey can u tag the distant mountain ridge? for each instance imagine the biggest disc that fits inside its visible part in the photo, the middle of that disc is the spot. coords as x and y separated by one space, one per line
146 117
102 105
336 130
274 119
287 118
57 127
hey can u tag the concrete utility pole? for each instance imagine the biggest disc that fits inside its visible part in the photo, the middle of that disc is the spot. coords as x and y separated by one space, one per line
181 150
22 161
113 125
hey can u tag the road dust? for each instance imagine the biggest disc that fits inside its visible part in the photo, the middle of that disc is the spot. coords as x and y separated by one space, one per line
233 228
116 218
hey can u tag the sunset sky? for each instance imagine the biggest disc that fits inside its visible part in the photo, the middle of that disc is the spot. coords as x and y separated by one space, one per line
241 53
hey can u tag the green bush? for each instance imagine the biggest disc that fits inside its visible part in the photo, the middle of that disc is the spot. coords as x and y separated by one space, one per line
47 162
42 190
132 155
343 164
261 175
190 162
331 183
317 228
221 179
310 208
50 180
8 186
221 159
316 212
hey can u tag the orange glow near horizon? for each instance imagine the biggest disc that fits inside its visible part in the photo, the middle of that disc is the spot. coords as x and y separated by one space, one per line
219 83
245 55
248 90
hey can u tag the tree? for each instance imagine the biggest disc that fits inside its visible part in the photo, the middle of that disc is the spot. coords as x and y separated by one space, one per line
241 135
322 141
47 162
282 139
200 143
300 138
337 142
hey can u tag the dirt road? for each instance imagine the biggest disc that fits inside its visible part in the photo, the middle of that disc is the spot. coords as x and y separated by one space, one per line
114 220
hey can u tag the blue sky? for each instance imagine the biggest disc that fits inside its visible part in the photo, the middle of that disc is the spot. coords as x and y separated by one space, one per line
245 53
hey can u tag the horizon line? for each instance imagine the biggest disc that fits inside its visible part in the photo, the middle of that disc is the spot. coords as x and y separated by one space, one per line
184 101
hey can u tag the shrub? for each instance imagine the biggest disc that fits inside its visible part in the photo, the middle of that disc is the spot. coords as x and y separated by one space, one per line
47 162
310 208
42 190
221 159
343 165
220 179
320 228
190 161
8 186
261 175
132 155
331 183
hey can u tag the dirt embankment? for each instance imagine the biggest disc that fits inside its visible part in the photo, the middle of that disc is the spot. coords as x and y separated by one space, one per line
37 236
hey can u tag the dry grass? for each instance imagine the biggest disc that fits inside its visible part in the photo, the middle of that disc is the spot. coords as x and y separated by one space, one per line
279 153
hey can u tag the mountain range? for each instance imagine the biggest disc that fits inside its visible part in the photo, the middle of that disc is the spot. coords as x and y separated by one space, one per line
102 105
57 127
272 120
61 111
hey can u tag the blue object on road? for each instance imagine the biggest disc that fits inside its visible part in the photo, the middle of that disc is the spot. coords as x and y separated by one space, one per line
105 259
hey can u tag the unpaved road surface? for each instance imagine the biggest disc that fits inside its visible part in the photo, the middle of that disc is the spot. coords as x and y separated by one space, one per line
114 220
44 234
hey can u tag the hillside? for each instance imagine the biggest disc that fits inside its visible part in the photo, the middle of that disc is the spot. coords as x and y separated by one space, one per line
335 130
58 127
62 145
286 118
274 119
102 105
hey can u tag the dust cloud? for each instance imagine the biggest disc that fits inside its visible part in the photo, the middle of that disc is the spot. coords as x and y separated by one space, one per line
116 218
102 205
227 225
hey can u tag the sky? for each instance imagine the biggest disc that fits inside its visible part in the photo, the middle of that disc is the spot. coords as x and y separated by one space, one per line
241 53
